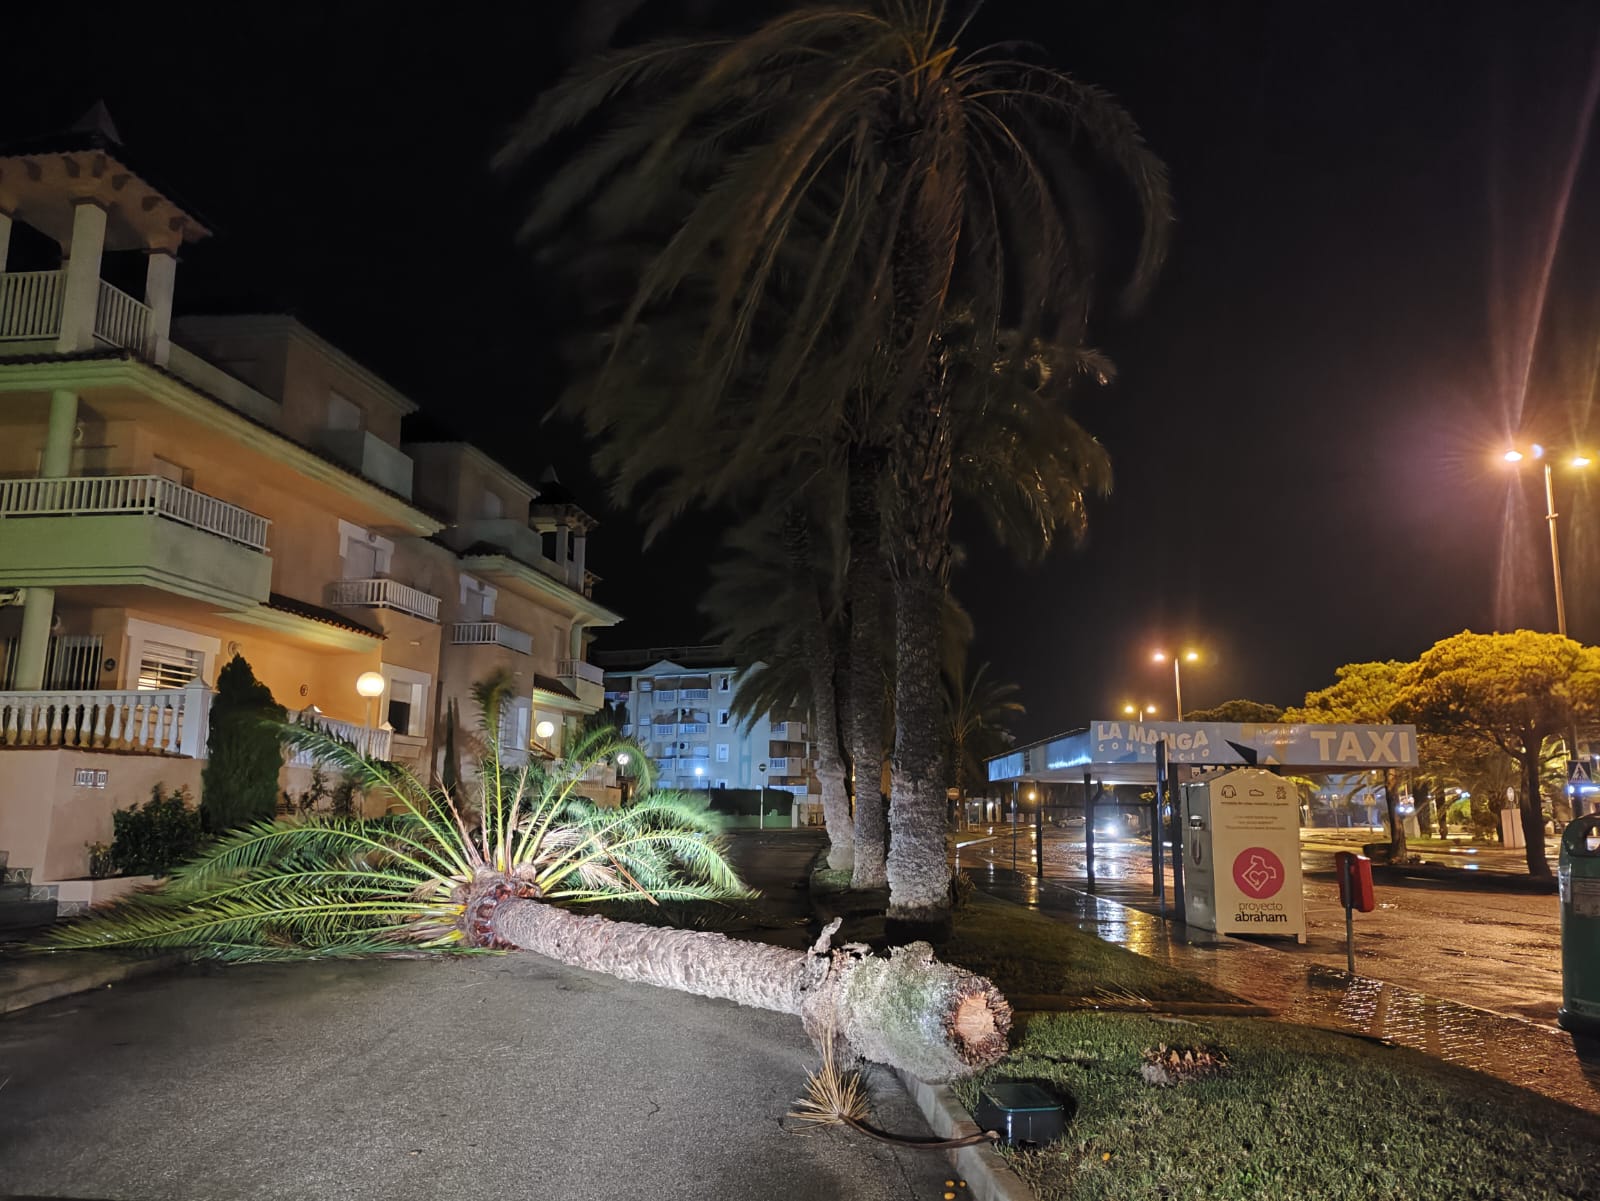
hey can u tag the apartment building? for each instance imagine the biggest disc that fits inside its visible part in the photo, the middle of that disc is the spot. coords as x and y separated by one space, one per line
677 703
173 493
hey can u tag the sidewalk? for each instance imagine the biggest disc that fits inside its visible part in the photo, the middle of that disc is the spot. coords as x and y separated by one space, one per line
1545 1061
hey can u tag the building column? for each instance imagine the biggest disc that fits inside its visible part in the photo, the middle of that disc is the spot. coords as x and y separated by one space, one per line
575 642
57 459
5 237
38 608
160 273
80 291
579 556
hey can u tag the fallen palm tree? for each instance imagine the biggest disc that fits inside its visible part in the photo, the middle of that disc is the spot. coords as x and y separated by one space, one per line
440 875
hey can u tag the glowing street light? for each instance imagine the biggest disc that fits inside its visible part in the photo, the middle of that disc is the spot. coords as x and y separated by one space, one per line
1577 460
1177 673
1132 710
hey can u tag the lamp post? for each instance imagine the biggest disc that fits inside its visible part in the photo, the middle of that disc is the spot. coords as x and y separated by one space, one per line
623 759
1138 712
370 686
1177 674
543 732
1578 461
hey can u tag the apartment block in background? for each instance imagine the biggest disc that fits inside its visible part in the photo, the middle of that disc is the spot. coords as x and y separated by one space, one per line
677 703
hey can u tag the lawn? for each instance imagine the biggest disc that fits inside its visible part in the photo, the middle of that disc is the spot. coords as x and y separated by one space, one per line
1296 1113
1028 955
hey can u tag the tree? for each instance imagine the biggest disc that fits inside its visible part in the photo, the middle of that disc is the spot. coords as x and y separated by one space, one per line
434 876
775 603
976 710
1363 694
891 185
1241 711
244 750
1509 691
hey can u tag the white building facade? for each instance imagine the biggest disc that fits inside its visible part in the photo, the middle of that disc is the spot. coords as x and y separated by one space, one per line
678 703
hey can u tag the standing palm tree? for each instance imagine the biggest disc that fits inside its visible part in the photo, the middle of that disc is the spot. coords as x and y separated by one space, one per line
976 710
919 181
775 604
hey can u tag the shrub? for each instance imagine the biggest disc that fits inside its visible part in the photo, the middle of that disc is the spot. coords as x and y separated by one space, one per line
240 780
152 839
101 862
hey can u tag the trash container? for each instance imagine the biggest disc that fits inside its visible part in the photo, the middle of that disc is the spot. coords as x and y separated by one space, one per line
1579 874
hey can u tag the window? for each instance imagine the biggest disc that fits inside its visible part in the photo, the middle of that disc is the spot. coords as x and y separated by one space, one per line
344 413
159 656
722 783
477 600
162 666
722 683
722 752
405 703
364 555
516 716
722 717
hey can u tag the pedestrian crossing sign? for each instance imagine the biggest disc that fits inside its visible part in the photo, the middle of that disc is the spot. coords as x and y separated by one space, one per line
1579 772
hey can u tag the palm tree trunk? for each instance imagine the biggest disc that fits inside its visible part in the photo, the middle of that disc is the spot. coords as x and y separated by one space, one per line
918 867
821 669
909 1011
864 721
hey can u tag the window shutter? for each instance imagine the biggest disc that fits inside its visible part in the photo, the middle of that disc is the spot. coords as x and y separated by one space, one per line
162 666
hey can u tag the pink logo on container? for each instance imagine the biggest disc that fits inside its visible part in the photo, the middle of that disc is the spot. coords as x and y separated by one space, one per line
1258 872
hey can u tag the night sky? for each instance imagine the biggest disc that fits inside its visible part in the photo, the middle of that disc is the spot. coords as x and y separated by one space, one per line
1309 408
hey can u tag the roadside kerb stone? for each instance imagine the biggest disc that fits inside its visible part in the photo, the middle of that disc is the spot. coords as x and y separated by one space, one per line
987 1176
33 980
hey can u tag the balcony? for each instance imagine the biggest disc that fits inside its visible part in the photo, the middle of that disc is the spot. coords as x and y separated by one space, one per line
585 679
524 544
371 457
778 767
789 731
132 529
696 694
30 311
692 727
171 721
384 594
373 743
491 633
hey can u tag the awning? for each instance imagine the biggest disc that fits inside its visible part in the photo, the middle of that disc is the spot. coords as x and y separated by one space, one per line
1124 752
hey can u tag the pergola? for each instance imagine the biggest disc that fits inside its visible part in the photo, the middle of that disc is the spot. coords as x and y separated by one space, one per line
1165 753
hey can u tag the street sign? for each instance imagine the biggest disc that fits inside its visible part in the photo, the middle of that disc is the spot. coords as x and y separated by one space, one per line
1579 772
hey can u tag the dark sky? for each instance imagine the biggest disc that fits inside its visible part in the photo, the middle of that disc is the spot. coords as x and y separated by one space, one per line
1308 407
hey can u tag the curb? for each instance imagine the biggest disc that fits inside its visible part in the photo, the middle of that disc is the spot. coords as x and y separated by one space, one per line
86 979
987 1176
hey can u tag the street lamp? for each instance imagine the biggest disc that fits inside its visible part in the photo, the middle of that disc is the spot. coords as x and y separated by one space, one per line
1578 461
1177 673
543 731
1131 710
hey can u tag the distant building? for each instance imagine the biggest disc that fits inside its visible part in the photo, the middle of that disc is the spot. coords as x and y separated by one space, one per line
677 702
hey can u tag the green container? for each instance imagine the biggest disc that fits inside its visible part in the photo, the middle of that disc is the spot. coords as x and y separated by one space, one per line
1579 872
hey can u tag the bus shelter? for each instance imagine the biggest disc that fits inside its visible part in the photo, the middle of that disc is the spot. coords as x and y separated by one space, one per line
1166 754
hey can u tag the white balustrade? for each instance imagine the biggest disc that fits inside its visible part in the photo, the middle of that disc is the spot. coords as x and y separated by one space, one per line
173 721
122 320
577 669
30 305
76 496
384 594
491 633
373 742
778 767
